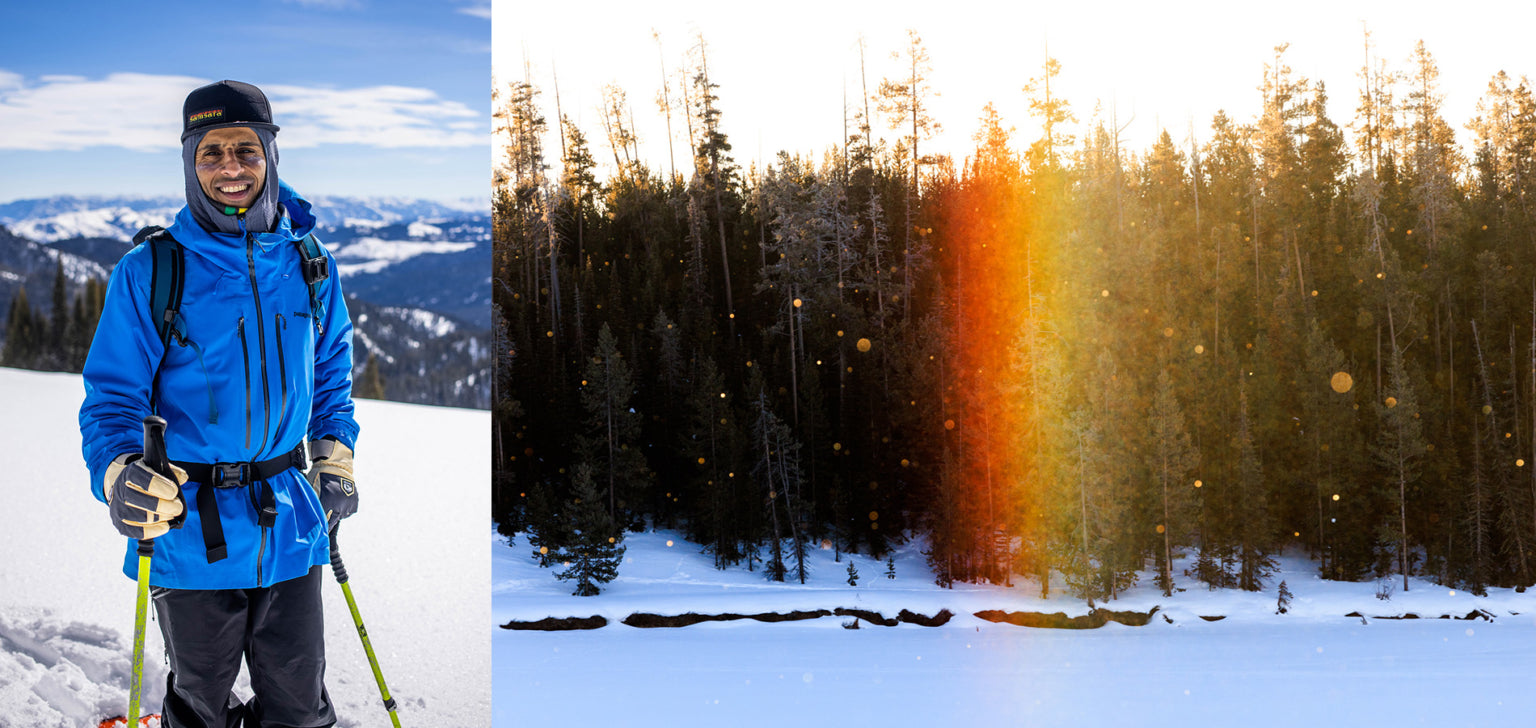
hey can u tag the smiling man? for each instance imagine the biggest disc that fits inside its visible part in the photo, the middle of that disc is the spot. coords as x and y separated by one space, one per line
230 327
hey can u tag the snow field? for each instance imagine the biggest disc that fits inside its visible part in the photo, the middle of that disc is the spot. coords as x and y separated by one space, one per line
418 568
1254 668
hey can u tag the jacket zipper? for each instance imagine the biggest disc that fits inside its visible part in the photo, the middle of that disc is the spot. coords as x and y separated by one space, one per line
261 548
282 365
245 353
261 340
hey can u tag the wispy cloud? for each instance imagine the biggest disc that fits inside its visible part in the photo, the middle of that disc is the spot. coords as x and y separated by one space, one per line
328 4
142 112
131 110
379 116
479 10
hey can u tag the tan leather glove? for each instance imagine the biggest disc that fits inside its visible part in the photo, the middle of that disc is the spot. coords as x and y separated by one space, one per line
143 503
330 474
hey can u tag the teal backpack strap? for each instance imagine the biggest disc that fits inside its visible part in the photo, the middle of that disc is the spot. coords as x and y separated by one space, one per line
165 283
316 269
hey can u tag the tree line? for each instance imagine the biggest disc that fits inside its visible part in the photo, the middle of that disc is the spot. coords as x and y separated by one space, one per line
1052 357
58 337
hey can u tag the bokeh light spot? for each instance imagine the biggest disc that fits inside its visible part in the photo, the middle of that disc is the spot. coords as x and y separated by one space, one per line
1342 382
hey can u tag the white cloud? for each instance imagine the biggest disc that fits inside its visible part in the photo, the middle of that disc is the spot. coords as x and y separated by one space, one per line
379 116
479 10
131 110
141 112
328 4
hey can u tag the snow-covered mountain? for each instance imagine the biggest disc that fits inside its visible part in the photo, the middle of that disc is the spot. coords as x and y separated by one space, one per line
51 219
420 269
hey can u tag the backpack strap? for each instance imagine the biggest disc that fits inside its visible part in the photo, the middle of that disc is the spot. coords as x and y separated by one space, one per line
166 281
316 269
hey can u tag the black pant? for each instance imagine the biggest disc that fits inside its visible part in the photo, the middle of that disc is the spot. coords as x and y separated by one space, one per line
280 631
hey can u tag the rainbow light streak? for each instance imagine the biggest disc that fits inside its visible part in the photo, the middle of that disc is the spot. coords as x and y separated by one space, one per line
992 266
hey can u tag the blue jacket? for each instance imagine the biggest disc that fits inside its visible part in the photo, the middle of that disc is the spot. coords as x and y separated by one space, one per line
255 376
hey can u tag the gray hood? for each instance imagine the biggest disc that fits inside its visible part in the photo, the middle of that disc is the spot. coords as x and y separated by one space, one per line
261 217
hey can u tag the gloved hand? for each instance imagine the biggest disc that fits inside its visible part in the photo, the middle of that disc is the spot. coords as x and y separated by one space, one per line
143 503
330 474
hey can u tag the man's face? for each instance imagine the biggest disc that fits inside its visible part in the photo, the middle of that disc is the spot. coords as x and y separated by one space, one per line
231 166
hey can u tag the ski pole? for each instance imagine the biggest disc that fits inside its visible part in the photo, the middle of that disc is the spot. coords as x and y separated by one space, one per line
340 571
154 457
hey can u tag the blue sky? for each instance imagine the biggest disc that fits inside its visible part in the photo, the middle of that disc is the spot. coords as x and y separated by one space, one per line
374 97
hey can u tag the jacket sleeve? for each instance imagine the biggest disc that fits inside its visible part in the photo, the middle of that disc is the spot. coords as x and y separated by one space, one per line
332 411
119 370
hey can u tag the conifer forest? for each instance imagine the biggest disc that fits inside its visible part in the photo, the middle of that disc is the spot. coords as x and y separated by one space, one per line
1312 329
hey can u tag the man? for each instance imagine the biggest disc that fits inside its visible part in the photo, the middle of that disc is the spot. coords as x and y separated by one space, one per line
257 357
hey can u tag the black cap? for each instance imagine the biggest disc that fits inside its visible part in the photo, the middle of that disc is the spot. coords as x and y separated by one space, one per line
226 103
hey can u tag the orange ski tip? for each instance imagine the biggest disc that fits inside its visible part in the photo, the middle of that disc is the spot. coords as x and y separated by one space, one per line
121 721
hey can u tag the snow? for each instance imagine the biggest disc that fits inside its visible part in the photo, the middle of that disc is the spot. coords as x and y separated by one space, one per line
435 325
419 229
376 254
114 221
1311 666
419 571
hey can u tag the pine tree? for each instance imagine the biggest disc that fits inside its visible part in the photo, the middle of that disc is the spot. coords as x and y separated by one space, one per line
55 357
549 526
1253 513
1283 603
1399 449
612 432
23 335
594 553
853 574
778 468
1174 459
719 514
890 566
371 385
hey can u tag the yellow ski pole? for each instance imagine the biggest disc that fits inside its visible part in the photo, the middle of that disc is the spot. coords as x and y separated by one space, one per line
340 571
154 457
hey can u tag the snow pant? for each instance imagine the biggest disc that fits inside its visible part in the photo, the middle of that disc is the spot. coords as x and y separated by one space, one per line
278 629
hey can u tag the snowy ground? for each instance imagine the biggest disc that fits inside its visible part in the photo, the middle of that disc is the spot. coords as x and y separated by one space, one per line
1312 666
418 563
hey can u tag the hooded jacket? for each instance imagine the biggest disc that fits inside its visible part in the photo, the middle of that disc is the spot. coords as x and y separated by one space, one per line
255 374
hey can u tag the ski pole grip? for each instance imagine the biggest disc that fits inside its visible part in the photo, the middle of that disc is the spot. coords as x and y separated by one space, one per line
154 445
338 569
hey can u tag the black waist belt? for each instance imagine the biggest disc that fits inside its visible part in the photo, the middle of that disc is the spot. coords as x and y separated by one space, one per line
214 476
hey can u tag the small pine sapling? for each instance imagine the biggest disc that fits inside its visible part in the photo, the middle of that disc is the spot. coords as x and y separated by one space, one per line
853 574
594 553
890 566
1283 605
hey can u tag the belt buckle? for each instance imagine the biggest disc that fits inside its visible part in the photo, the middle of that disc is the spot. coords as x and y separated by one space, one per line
231 475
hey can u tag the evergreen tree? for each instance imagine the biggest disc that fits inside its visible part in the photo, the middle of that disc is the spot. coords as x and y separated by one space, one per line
549 525
23 333
371 385
1255 529
55 357
777 469
1399 449
595 551
1175 458
612 431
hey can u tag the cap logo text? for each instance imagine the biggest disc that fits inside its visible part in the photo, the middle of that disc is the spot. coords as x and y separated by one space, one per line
205 115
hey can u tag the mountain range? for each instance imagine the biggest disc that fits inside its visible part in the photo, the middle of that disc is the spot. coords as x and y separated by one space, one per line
417 274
